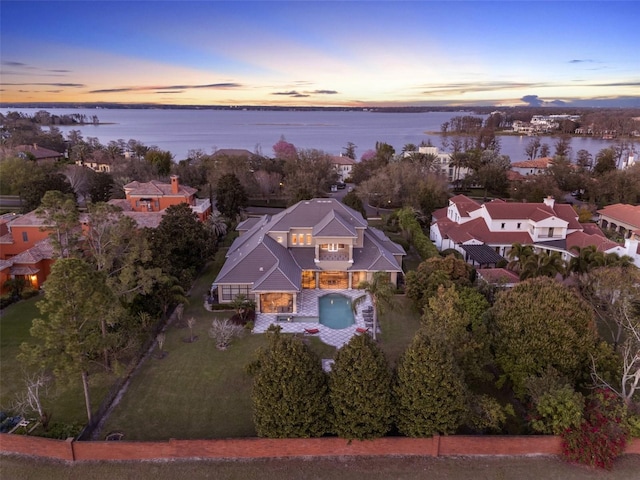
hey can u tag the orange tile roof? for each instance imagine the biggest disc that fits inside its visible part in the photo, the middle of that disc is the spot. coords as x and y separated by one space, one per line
155 187
622 212
543 162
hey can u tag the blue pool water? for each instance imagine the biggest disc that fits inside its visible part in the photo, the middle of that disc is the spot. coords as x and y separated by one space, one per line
335 311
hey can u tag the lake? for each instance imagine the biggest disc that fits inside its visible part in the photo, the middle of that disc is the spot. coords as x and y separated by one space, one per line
258 130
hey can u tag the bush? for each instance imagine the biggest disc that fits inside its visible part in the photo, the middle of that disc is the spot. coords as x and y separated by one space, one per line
6 300
63 431
602 435
29 293
558 410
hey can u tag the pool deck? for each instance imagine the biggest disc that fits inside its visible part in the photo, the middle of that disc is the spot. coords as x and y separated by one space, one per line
308 307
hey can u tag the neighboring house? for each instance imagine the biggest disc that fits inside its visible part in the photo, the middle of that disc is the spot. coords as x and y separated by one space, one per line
315 244
532 167
343 166
21 232
624 219
155 196
497 225
37 153
96 165
25 249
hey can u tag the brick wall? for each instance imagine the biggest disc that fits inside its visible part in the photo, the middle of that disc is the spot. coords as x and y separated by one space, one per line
265 448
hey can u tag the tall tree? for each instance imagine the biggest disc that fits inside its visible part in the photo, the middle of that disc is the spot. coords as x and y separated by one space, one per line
161 160
60 213
430 392
455 318
423 282
290 395
537 324
69 338
360 390
231 197
181 244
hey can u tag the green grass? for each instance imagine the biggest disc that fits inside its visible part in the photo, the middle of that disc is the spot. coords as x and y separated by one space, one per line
372 468
197 391
398 326
64 400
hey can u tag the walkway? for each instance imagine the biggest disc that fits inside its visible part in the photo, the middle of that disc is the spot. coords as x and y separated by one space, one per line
308 307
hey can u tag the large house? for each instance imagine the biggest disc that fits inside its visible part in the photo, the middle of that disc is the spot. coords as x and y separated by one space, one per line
315 244
37 153
155 196
25 249
482 231
343 166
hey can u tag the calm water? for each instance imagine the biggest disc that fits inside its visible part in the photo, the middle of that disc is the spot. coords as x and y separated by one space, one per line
182 130
335 311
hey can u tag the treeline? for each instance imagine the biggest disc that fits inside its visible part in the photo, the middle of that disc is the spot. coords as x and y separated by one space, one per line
469 368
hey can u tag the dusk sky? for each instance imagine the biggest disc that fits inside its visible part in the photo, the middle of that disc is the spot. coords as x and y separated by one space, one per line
321 53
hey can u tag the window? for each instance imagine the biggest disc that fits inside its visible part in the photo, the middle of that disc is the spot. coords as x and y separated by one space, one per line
502 226
229 292
25 237
519 226
301 239
308 239
294 239
550 231
279 239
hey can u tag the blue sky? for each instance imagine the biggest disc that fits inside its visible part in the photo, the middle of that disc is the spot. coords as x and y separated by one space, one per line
321 53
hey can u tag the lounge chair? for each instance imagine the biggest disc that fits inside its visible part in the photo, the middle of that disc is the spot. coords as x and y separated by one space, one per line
362 330
311 331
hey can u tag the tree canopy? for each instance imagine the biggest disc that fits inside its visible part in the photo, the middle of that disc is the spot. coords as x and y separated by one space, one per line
540 323
290 396
360 390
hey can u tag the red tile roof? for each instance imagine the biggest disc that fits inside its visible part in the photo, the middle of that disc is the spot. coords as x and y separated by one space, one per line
581 239
498 275
622 212
477 229
464 204
543 162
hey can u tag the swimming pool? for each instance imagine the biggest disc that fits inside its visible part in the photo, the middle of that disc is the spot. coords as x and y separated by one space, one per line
335 311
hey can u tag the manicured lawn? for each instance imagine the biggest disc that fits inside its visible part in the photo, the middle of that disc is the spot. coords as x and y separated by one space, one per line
408 468
399 325
197 391
64 400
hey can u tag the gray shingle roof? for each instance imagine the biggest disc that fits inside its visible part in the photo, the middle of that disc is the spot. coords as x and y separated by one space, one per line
256 258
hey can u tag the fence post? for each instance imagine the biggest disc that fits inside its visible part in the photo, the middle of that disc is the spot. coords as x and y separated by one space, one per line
71 442
435 446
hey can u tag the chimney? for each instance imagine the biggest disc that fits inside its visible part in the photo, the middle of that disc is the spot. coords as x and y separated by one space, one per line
175 184
549 201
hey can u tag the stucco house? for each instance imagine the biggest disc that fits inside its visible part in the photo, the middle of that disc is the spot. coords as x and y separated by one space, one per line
25 249
497 225
624 219
536 166
343 166
314 244
155 196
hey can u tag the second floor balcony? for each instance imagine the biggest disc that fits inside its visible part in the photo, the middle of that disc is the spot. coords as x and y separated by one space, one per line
335 255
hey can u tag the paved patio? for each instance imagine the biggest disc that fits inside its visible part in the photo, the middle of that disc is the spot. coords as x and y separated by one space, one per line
308 307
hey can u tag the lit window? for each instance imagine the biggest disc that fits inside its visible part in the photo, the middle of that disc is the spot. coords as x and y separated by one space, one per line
301 239
294 239
308 239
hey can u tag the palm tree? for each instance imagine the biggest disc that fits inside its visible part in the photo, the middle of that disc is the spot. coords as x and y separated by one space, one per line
518 256
542 265
586 259
217 224
381 291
